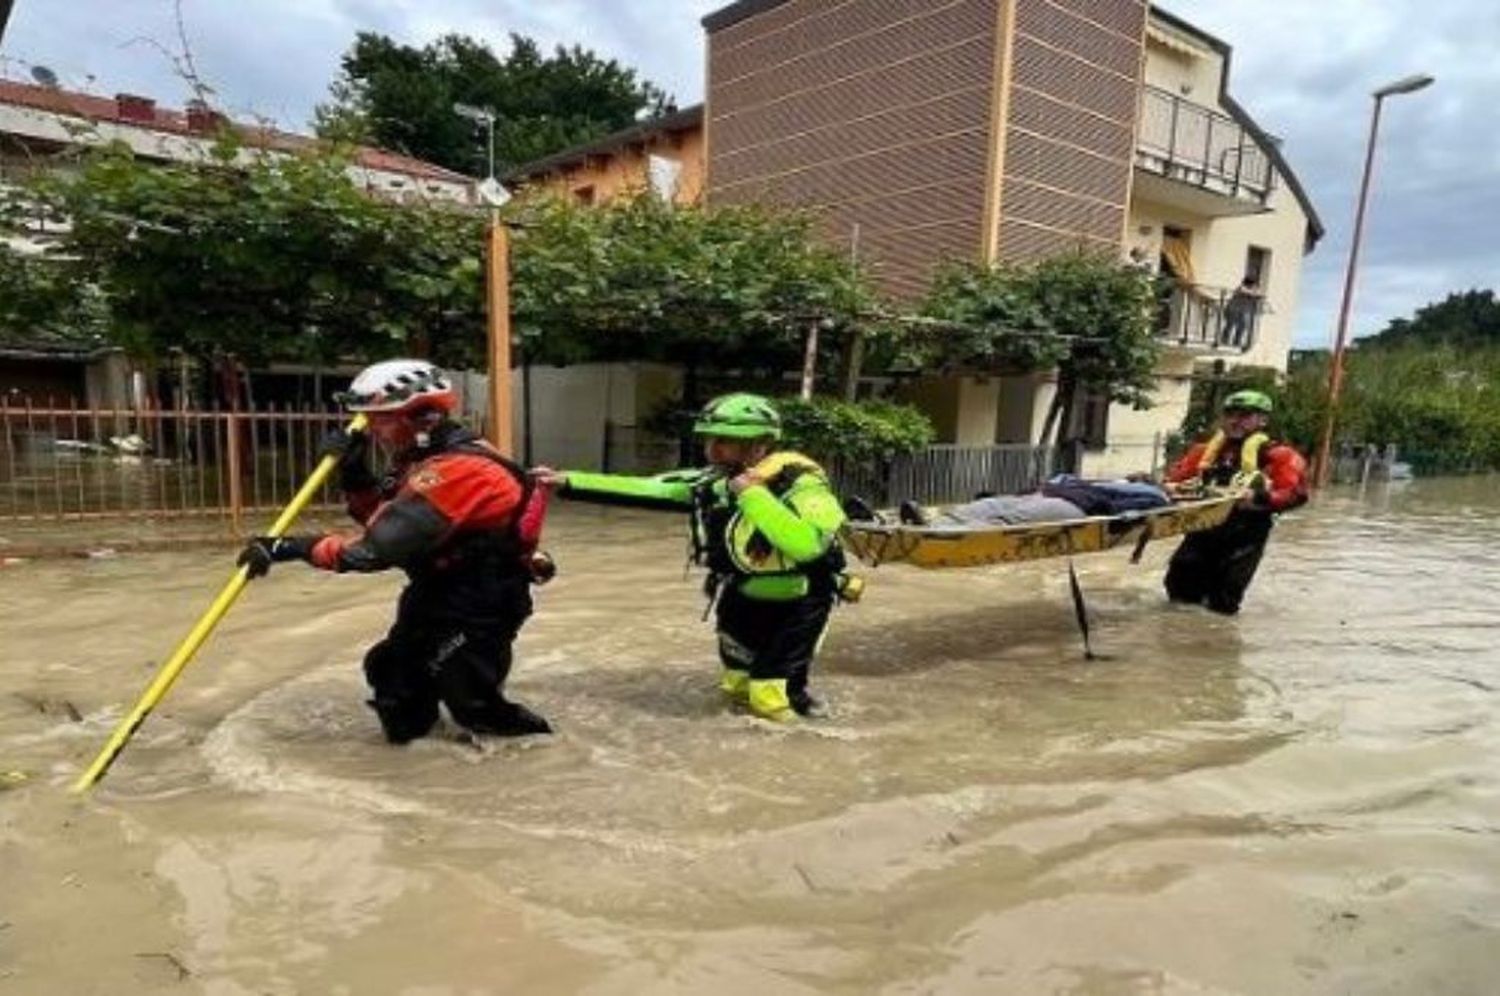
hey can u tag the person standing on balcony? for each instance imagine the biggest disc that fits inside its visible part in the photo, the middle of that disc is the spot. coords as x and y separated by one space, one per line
1240 313
765 524
1215 567
463 522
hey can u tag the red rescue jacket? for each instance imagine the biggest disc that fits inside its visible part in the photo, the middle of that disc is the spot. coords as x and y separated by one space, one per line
457 499
1218 461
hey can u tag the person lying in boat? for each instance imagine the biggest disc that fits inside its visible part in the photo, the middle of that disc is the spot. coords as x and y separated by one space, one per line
992 510
1061 499
1215 567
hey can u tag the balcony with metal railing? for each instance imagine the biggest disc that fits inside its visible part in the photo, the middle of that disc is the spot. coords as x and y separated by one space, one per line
1208 319
1197 158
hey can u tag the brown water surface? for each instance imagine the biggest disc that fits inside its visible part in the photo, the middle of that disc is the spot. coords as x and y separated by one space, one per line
1301 800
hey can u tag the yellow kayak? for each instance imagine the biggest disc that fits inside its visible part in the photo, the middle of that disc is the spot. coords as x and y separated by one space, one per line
949 546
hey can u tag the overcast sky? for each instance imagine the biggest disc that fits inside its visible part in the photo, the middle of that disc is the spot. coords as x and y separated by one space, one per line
1304 69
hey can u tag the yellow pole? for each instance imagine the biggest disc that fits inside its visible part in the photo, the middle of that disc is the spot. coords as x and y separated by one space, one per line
169 671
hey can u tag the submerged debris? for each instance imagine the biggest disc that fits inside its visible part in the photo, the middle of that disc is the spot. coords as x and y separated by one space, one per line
51 707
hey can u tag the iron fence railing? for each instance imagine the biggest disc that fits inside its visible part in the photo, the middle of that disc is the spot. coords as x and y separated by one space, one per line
632 449
1198 145
1360 463
74 463
938 474
1201 316
951 473
64 464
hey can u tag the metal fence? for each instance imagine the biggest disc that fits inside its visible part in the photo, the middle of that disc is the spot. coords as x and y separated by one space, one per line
1198 145
75 463
1199 315
951 473
632 449
66 464
1359 463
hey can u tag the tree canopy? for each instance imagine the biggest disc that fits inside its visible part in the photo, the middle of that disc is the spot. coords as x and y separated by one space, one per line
1467 319
1087 314
265 256
257 256
262 256
644 279
41 307
401 97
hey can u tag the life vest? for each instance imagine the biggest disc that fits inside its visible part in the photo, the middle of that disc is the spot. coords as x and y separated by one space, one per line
498 550
731 546
1214 470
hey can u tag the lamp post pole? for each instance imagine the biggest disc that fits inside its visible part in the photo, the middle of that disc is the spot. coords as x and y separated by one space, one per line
1324 464
497 292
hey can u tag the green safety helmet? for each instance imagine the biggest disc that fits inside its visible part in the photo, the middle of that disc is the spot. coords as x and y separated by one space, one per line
739 416
1248 401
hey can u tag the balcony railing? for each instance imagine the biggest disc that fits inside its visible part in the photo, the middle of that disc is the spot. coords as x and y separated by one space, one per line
1197 145
1196 316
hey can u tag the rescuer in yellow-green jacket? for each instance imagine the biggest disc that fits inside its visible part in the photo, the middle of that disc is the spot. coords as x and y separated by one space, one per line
765 524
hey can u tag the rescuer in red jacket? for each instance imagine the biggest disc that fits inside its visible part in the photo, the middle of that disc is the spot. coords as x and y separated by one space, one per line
1214 567
463 522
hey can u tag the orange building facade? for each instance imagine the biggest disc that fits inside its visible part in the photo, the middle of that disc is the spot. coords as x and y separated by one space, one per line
667 152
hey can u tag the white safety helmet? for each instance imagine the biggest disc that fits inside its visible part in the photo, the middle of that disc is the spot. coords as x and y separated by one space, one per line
400 386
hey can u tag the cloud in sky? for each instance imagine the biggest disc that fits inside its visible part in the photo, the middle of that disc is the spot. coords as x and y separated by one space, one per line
1305 70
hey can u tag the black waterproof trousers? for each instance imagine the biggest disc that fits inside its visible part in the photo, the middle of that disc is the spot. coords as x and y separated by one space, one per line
1215 567
451 643
774 640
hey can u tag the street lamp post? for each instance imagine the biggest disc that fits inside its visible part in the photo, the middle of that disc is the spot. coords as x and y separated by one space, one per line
486 117
1409 84
497 291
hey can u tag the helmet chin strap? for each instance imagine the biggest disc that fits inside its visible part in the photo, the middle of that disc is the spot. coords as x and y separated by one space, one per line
423 423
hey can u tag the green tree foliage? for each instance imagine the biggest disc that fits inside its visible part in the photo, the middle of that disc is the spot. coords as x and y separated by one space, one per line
1430 384
41 307
718 289
986 318
1086 314
1467 319
1439 405
260 257
401 97
264 257
853 432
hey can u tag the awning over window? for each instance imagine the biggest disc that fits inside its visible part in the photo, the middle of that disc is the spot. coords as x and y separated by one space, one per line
1179 259
1175 43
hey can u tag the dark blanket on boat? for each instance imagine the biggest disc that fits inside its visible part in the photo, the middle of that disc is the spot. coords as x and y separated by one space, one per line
1106 497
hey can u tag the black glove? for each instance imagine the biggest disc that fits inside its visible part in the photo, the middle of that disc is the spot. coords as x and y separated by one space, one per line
353 452
263 551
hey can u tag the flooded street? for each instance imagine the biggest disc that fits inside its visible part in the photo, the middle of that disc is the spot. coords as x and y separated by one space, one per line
1305 799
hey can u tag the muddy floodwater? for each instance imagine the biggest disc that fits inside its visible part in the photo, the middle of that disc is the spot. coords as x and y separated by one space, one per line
1305 799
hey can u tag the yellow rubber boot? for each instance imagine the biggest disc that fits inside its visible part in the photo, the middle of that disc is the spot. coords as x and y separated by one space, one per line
768 700
735 683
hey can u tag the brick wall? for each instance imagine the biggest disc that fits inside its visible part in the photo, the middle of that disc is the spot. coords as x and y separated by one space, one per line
940 128
1070 125
875 112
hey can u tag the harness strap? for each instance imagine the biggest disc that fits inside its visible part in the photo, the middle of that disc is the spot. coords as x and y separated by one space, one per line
498 542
